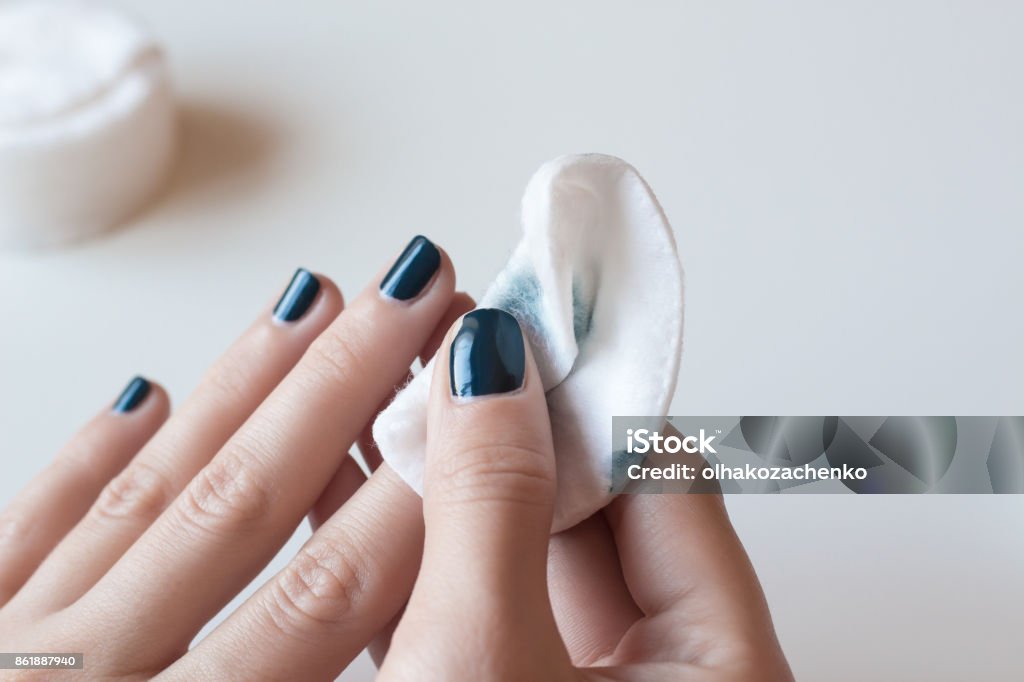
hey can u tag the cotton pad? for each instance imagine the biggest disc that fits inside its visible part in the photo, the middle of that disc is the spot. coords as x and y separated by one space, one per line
597 288
86 120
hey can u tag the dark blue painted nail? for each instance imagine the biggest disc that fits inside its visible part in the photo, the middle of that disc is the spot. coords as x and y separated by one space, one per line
487 354
132 395
298 297
413 270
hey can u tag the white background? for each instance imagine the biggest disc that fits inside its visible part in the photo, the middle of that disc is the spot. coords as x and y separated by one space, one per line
845 184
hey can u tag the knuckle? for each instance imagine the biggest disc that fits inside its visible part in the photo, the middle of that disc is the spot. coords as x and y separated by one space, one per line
320 586
502 472
138 492
225 497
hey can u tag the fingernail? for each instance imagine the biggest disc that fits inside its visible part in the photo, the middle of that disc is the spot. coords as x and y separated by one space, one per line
413 270
132 395
487 354
297 298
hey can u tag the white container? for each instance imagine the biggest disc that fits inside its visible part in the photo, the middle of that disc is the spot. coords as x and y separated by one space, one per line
87 125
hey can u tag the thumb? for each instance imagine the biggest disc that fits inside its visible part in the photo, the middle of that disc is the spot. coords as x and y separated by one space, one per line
480 607
489 486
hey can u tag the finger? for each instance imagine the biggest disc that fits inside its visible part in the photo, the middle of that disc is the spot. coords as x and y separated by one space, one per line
239 510
342 588
228 393
381 642
592 605
688 572
346 481
461 303
490 462
489 492
58 497
489 481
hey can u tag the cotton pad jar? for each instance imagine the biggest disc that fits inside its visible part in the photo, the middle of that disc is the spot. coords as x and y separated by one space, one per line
87 130
597 288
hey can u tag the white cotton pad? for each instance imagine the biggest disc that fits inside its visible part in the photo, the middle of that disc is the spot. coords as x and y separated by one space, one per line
87 127
597 287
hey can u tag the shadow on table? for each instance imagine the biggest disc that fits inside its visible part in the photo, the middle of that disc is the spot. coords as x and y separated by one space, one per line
221 150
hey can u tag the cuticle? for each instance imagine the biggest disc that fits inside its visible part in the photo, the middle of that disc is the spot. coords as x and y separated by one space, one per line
465 399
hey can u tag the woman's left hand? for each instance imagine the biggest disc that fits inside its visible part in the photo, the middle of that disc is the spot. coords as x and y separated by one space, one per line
147 525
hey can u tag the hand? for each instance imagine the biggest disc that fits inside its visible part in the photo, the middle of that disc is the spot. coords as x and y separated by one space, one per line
656 587
145 527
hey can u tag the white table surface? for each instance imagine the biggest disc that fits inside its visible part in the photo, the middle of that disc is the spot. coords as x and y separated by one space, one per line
845 184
